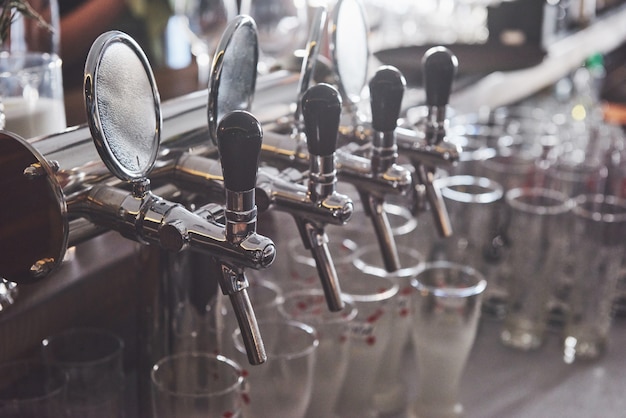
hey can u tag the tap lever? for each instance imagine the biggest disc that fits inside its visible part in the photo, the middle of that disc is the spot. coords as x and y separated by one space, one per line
321 111
239 137
386 91
321 106
439 69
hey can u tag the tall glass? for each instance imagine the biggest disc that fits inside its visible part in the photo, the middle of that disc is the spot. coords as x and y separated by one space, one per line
31 80
282 386
207 21
536 235
282 29
597 236
390 395
474 205
447 311
31 389
197 385
93 360
370 333
309 306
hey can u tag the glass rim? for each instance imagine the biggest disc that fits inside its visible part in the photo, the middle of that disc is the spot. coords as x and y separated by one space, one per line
68 334
493 191
474 289
381 294
198 354
581 210
410 221
379 271
562 204
338 318
49 60
305 328
63 380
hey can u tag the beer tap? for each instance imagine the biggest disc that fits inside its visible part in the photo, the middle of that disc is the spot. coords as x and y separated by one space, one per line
386 90
317 203
239 137
321 109
128 144
439 68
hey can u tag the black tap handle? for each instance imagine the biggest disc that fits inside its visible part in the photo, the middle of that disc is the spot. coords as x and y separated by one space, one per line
439 69
386 91
239 137
321 110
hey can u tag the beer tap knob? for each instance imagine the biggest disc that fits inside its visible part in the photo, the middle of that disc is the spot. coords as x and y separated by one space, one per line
321 110
239 137
439 69
386 92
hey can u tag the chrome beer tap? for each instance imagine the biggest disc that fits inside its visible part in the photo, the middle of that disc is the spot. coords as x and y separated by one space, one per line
386 90
128 145
439 68
319 203
372 179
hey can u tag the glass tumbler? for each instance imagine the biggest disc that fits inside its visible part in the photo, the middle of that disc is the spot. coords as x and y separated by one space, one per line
598 244
282 386
447 311
197 384
536 235
309 306
32 389
390 393
369 335
93 360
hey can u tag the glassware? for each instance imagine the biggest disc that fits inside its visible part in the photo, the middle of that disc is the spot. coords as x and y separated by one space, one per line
597 235
31 389
536 236
390 394
207 21
197 384
309 306
370 333
447 311
31 80
93 360
282 386
474 205
281 26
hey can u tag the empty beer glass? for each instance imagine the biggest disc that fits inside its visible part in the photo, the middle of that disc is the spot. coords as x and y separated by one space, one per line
197 385
447 311
309 306
282 386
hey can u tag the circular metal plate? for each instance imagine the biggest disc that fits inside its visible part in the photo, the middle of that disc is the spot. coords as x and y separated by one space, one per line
35 229
313 44
233 74
123 105
349 48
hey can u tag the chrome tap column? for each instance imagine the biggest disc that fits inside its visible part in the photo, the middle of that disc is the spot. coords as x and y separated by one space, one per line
317 204
439 65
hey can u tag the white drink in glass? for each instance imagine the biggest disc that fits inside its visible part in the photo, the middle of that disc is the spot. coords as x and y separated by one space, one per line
30 118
